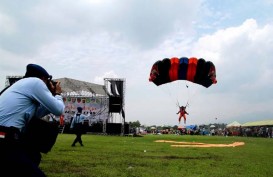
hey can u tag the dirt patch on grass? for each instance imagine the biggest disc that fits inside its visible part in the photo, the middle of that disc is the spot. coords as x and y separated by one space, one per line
196 144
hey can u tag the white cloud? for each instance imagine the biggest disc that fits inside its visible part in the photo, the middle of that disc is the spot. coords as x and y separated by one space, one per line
8 25
90 41
109 74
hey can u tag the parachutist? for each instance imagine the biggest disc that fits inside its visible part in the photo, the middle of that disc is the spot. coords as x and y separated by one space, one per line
192 69
183 112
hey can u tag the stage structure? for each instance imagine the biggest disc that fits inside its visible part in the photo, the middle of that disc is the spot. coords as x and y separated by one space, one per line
11 80
102 104
115 89
91 97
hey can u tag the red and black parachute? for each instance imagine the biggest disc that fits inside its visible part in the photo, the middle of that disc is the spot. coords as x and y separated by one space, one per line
195 70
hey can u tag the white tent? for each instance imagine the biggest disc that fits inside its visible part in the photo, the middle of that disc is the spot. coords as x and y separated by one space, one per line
212 126
234 124
180 127
258 123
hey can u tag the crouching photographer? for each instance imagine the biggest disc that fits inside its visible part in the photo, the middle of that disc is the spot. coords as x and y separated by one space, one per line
23 134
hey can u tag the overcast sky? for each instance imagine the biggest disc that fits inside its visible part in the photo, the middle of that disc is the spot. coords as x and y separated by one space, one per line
90 40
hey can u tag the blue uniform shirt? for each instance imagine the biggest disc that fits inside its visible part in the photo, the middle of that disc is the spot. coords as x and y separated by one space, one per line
26 98
77 119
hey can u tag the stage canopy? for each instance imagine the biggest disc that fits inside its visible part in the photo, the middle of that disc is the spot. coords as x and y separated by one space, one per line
73 87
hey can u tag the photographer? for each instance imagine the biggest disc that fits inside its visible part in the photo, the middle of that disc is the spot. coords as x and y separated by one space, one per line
30 98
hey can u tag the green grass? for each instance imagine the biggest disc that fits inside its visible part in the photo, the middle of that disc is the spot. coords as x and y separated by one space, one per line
118 156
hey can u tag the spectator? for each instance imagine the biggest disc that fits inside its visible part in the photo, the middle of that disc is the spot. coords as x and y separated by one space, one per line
77 126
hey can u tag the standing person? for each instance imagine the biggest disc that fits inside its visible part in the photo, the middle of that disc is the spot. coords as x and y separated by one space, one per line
27 100
61 120
270 132
182 113
77 126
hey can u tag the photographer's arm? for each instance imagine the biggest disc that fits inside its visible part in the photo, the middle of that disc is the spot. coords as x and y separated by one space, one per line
49 102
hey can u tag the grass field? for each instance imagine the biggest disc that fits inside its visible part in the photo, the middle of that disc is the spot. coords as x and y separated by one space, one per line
120 156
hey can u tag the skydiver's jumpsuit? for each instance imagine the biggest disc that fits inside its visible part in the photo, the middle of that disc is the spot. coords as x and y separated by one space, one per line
183 113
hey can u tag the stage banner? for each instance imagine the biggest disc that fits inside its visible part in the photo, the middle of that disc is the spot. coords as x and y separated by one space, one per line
94 108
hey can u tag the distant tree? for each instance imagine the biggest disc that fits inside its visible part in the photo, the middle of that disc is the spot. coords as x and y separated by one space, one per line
134 124
165 127
159 127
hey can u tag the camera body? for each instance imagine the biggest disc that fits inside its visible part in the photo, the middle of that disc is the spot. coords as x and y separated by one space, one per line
54 83
51 83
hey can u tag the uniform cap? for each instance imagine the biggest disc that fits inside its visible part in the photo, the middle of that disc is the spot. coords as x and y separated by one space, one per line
34 70
79 109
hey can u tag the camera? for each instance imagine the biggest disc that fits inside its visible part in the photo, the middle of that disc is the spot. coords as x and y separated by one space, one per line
54 83
51 83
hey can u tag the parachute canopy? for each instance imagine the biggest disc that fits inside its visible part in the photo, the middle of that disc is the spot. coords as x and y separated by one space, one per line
192 69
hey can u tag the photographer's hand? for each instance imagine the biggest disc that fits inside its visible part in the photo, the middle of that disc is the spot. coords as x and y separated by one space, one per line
58 89
54 87
51 87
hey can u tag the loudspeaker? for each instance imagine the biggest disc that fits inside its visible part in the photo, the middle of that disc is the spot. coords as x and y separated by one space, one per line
115 104
113 128
126 128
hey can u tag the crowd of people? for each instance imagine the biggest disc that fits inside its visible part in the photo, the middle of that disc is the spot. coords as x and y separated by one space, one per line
255 131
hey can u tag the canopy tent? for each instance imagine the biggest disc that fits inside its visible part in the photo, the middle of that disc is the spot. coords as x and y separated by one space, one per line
258 123
212 126
180 127
234 124
192 127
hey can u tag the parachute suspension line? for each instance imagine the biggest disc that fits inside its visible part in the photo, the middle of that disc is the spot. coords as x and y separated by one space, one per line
187 104
169 91
177 91
188 92
187 85
177 87
180 91
192 90
177 103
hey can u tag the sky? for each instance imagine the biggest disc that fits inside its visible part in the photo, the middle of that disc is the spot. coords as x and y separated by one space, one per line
90 40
